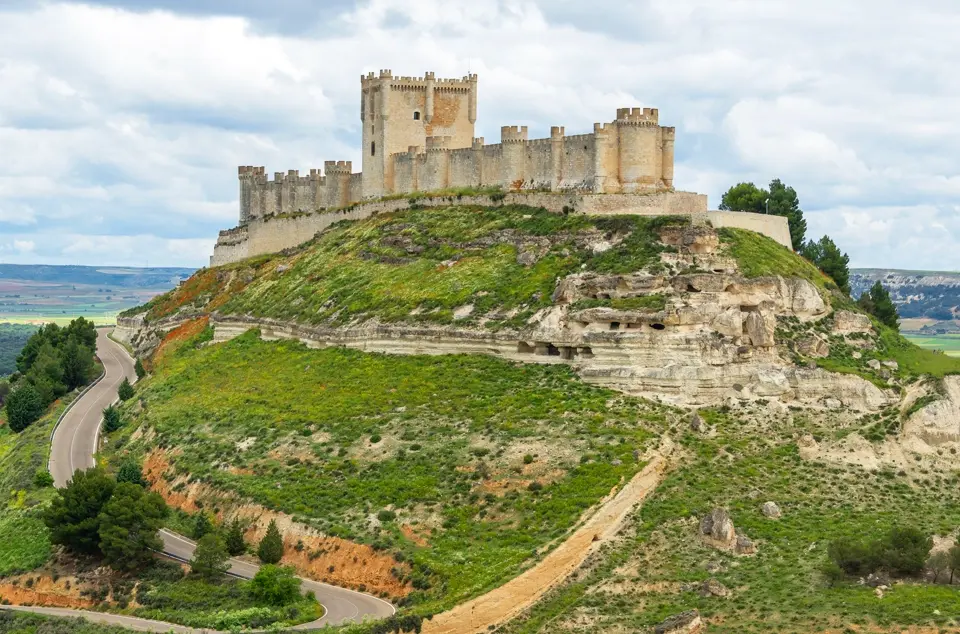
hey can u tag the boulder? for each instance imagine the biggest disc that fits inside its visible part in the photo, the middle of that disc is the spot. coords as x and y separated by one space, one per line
771 510
893 365
832 403
713 588
877 580
718 526
745 546
847 322
873 364
760 329
683 623
814 347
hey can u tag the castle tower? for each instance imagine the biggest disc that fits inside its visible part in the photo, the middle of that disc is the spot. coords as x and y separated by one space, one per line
400 112
641 150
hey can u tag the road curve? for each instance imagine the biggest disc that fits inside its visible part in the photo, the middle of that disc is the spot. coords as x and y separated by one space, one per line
73 447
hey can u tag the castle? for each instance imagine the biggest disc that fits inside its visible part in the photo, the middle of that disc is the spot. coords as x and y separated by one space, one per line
418 136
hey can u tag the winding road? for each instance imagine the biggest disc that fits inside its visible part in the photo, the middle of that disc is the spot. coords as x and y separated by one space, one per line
73 446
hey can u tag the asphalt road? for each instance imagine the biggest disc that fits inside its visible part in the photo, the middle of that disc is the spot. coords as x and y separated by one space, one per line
74 444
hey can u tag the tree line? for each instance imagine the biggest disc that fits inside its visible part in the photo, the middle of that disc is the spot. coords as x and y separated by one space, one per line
782 200
53 362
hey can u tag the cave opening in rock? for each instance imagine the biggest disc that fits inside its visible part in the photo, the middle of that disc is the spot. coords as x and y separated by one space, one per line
657 326
614 325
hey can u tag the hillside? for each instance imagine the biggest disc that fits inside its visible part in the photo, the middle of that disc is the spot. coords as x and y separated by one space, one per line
918 294
430 401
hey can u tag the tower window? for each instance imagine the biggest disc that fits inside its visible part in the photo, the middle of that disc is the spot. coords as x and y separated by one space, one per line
416 115
373 149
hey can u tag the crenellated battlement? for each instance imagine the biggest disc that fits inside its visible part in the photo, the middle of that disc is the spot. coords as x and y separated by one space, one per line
337 167
513 134
638 116
435 143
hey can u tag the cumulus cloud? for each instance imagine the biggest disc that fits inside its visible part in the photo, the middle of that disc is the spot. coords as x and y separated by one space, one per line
122 121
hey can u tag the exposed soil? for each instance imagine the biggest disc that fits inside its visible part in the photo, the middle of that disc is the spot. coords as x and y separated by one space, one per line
43 590
503 603
314 555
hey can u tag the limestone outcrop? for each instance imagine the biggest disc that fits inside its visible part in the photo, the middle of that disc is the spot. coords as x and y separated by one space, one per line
938 422
683 623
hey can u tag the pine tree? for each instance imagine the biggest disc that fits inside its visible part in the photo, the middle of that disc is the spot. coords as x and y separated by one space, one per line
24 406
131 472
235 542
201 525
270 550
128 527
139 369
877 302
125 391
210 558
111 419
829 259
783 201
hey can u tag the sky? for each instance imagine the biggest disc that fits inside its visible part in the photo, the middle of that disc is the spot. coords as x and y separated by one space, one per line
122 122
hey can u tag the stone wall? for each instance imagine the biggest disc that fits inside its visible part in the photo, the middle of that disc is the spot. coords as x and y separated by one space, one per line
775 227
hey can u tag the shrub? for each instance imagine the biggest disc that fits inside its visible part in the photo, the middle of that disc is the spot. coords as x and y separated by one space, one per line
374 439
42 478
125 391
527 459
139 369
854 557
131 472
904 551
270 550
275 585
386 515
24 406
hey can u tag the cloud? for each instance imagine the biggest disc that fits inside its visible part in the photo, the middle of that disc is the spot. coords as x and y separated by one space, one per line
122 121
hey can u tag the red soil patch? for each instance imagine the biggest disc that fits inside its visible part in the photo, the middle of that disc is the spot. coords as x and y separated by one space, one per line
410 533
314 555
45 592
177 336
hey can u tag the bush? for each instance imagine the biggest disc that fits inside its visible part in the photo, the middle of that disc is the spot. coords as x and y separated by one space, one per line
42 478
270 550
386 515
139 369
111 419
24 406
131 472
854 557
905 550
275 585
125 391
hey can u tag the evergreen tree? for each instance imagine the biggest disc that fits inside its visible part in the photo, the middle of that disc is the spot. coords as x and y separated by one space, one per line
138 368
744 197
125 391
210 558
877 302
74 516
131 472
201 525
111 419
76 363
235 542
829 259
270 550
783 201
128 527
24 406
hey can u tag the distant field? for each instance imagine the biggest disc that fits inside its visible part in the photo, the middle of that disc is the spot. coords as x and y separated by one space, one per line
41 294
950 344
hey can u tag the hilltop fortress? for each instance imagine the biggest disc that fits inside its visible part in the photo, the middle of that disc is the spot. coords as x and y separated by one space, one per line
418 136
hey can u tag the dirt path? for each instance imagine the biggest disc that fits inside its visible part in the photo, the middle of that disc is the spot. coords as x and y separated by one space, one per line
504 603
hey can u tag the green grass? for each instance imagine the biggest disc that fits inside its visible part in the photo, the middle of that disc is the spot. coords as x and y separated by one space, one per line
443 422
418 265
780 589
24 542
948 344
26 623
646 303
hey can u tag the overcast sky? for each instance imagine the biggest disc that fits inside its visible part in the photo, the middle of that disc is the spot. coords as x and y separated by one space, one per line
122 121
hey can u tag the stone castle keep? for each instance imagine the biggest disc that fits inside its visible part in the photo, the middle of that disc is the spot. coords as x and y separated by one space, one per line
418 135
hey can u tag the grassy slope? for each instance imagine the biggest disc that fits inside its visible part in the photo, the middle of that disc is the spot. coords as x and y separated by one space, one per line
433 260
638 583
341 435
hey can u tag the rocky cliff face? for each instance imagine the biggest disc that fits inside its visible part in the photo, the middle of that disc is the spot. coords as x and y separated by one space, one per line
699 333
